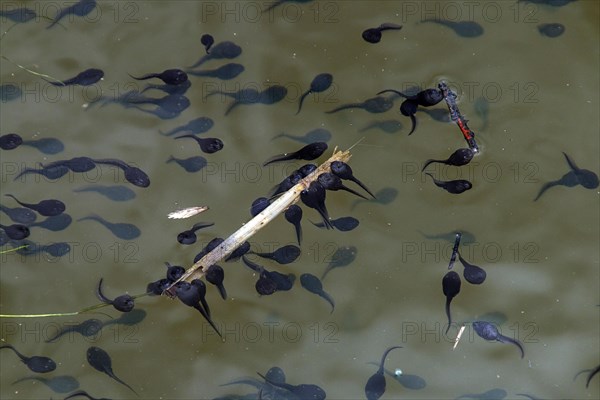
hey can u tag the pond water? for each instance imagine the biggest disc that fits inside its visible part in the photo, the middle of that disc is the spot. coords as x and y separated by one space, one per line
542 258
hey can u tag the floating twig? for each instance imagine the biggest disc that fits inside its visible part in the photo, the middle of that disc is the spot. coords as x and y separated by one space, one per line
290 197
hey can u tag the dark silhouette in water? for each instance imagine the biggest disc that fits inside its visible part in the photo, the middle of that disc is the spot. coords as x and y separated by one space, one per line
576 176
388 126
47 208
43 145
85 78
457 186
489 331
303 391
84 394
221 50
121 230
18 15
58 384
207 145
80 9
87 328
100 360
168 76
492 394
55 223
54 249
195 127
316 135
342 257
19 215
551 30
114 192
467 29
225 72
373 35
38 364
319 84
374 105
314 285
343 224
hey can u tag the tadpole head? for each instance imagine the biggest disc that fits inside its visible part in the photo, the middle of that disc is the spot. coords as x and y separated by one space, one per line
124 303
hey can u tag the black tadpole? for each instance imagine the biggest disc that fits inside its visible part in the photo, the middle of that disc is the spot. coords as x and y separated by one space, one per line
216 275
101 361
123 303
169 76
458 158
319 84
293 215
450 288
375 386
489 331
344 171
191 296
207 145
373 35
334 183
38 364
309 152
314 197
47 208
473 274
16 231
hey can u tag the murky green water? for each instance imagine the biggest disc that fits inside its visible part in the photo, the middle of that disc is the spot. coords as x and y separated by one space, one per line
542 257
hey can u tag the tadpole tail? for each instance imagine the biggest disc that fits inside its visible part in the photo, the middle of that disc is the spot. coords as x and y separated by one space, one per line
362 185
571 163
207 318
116 378
506 339
298 229
591 375
99 294
231 107
448 301
355 193
414 124
301 101
396 92
279 157
430 161
344 107
546 186
143 77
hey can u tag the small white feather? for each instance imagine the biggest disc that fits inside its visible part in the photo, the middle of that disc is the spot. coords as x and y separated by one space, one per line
186 212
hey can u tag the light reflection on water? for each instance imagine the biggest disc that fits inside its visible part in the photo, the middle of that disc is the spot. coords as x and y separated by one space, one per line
542 258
